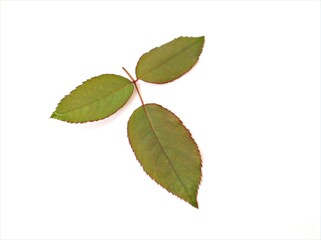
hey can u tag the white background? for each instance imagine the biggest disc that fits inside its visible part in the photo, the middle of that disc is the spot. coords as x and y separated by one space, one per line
252 104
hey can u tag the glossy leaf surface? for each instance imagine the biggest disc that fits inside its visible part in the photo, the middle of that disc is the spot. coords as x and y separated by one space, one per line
169 61
95 99
166 150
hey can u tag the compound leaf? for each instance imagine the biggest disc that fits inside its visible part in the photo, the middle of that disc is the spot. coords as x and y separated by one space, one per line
169 61
166 150
95 99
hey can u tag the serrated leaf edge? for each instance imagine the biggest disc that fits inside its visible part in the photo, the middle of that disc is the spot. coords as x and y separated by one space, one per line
198 153
141 78
55 114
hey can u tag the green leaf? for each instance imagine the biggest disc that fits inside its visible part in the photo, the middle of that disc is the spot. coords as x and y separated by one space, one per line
169 61
166 150
97 98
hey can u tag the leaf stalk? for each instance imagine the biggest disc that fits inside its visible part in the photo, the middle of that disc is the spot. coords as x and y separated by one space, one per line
136 87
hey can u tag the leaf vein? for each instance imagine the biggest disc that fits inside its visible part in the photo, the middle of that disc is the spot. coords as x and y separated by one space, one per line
163 150
96 100
168 59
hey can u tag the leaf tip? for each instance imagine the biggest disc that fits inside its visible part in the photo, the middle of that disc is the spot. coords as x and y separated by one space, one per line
54 115
202 40
193 202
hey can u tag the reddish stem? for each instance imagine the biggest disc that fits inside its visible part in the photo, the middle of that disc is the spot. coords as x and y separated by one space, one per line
136 87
